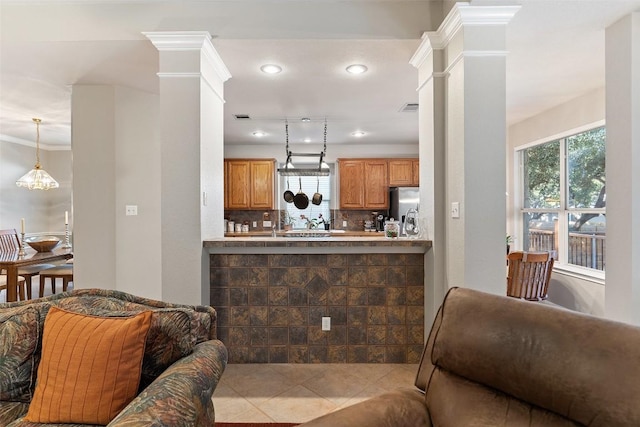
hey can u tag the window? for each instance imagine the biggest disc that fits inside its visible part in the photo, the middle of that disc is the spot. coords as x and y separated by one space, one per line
309 185
564 198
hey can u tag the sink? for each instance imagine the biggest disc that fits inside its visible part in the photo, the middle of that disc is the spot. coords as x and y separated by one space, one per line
307 233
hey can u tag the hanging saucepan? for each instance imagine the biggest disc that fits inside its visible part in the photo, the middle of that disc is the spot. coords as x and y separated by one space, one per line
300 200
288 195
317 197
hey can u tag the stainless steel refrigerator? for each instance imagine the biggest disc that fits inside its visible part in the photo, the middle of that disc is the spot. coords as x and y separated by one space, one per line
401 199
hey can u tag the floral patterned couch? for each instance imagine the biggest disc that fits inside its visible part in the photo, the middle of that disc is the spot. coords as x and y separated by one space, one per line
182 363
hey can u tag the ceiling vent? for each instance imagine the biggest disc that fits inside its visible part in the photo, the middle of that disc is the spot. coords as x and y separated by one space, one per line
242 116
409 108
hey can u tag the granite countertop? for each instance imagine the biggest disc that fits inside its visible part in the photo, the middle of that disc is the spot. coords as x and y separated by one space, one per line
336 240
333 233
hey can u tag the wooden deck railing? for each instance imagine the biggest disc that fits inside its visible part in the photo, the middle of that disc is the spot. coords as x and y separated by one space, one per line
586 250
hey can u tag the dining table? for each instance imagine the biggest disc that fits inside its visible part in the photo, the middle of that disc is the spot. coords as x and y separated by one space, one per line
13 261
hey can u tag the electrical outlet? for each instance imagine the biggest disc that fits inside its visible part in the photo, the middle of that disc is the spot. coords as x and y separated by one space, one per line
255 224
131 210
344 224
326 323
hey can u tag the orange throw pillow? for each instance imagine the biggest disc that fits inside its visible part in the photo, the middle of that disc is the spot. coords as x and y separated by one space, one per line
90 367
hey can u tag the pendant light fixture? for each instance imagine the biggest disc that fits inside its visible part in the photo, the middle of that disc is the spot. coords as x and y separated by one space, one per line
37 178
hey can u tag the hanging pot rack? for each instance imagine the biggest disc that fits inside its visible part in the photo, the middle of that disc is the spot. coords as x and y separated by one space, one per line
290 170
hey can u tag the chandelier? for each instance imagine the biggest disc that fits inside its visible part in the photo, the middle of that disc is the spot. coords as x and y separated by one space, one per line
37 178
290 170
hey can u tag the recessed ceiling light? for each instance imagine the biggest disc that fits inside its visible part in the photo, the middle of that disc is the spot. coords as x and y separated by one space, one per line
305 119
307 140
259 134
357 69
358 134
271 68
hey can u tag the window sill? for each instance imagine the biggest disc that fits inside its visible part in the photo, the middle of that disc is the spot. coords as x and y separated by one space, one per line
587 274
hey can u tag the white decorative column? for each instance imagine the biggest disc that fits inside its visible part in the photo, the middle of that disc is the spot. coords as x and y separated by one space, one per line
622 292
463 127
428 59
192 76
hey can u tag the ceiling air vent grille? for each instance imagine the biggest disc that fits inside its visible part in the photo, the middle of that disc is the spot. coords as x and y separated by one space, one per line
242 116
409 108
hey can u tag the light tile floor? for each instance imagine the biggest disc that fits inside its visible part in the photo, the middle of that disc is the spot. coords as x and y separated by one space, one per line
297 393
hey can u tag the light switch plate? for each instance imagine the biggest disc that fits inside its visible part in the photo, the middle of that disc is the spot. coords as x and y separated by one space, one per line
455 210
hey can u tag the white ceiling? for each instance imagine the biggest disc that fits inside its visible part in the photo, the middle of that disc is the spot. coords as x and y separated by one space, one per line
556 54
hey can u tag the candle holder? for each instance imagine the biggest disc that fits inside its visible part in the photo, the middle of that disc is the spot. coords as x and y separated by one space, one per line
66 244
22 252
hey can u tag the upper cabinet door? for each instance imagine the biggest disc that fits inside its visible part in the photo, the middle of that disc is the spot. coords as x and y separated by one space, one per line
238 187
262 184
226 185
351 175
249 184
404 172
364 183
376 189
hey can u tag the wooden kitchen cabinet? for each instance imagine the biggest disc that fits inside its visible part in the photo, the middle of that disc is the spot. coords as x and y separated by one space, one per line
351 175
404 173
363 183
249 183
261 181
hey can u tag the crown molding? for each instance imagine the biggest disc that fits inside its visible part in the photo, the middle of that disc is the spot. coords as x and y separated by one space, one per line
27 143
175 41
430 40
464 14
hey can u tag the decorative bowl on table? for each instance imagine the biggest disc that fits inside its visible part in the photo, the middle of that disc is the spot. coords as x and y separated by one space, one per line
42 243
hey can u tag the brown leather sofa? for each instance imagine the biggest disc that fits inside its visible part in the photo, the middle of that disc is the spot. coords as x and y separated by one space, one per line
498 361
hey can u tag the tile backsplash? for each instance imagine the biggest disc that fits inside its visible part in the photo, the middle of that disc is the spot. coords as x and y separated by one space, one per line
355 218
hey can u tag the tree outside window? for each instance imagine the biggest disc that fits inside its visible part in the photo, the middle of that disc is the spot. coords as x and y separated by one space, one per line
564 201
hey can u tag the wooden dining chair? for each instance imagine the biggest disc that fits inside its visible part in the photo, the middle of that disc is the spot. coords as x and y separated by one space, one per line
9 241
63 272
529 275
21 285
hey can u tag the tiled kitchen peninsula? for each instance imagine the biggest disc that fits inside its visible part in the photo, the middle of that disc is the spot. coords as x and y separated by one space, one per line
271 295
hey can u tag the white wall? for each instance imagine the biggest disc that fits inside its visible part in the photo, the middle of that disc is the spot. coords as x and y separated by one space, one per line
137 175
116 163
573 292
43 211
